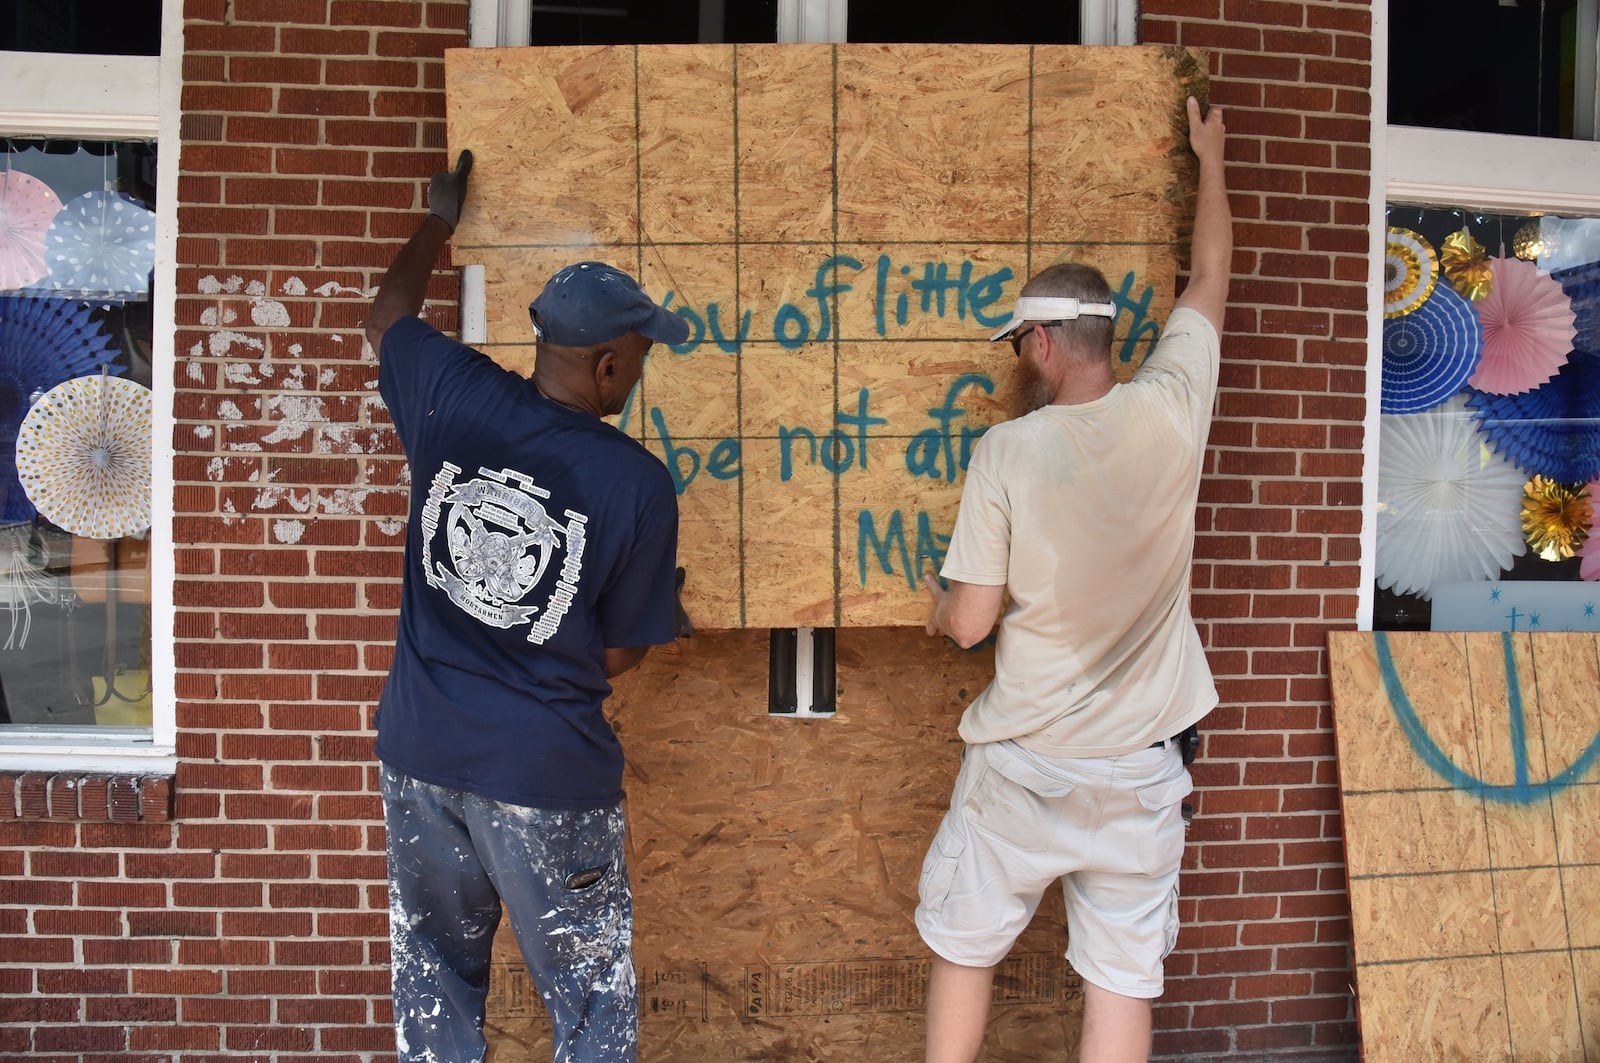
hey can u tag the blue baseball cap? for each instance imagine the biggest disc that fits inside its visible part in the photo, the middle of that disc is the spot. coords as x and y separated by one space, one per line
590 302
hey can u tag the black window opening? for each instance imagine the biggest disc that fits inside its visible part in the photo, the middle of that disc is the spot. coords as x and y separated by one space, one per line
655 22
952 22
1487 66
82 27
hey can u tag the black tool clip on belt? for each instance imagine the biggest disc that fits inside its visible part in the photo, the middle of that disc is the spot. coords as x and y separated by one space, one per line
1187 741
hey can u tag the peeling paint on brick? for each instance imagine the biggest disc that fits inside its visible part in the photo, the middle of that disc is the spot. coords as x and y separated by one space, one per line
288 531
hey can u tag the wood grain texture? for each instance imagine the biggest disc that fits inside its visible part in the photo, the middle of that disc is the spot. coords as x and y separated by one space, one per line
775 863
1470 794
842 226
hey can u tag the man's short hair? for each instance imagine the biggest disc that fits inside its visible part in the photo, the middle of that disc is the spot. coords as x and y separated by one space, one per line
1087 335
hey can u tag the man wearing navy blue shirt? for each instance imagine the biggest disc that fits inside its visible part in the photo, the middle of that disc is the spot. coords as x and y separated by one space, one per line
539 563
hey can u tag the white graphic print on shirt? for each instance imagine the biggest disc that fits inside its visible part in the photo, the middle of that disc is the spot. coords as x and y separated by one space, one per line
500 540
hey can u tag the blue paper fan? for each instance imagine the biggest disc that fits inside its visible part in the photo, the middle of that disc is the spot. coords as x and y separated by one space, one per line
1582 285
1429 353
43 342
101 243
1553 430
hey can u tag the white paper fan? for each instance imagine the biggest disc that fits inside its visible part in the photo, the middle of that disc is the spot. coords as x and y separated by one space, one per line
102 242
1449 508
83 456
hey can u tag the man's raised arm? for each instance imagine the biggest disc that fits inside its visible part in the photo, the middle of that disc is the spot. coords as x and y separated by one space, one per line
405 285
1211 247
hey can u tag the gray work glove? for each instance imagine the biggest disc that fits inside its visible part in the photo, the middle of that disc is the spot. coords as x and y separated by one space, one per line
447 191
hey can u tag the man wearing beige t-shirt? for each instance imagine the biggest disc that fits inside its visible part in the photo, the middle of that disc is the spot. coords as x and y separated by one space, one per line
1078 518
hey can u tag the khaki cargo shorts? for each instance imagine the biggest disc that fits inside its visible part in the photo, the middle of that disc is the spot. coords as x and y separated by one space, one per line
1110 828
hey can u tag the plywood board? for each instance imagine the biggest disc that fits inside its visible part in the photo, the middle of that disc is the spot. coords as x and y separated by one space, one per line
842 226
775 864
1471 797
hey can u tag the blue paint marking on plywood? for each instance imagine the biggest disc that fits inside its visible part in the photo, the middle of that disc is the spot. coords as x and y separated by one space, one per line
1525 790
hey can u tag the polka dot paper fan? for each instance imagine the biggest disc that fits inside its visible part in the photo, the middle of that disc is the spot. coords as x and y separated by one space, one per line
101 242
83 456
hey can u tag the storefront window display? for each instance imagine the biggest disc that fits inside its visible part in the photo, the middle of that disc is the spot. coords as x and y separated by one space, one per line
1489 436
77 259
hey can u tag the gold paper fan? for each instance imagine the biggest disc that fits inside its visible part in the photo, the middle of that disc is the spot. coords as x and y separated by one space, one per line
1410 270
1556 517
1466 265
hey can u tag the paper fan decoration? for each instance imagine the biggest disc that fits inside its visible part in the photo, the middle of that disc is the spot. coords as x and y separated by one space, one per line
1582 285
1466 265
1448 509
83 456
1553 430
102 242
1528 329
1410 271
27 206
1589 569
1556 518
1429 353
42 343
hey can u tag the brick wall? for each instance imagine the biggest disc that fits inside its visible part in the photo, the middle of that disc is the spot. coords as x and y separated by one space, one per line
238 911
1263 962
252 922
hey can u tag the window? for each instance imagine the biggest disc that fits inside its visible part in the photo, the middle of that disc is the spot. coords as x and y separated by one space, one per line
86 267
1482 446
1489 439
1494 66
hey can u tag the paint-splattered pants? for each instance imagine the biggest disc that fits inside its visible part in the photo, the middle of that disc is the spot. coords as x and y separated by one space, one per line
453 858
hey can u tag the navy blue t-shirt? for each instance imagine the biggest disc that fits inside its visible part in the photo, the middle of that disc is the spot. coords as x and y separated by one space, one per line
538 536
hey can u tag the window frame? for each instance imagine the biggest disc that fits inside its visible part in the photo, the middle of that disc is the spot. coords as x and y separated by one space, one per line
119 97
1490 172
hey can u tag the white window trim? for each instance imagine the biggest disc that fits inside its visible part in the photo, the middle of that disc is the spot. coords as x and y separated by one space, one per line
1481 171
115 97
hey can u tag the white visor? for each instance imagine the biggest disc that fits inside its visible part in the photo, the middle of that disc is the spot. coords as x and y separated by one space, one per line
1040 308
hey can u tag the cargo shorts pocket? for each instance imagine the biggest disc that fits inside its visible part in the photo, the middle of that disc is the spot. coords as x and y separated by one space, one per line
1161 843
1013 801
939 867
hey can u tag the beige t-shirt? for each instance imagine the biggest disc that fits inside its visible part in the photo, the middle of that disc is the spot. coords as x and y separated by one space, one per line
1085 513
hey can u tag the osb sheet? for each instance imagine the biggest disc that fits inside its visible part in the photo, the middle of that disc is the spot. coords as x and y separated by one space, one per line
775 864
1471 798
842 226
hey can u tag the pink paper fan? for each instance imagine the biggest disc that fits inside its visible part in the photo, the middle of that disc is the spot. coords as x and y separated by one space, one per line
27 206
1590 550
1528 329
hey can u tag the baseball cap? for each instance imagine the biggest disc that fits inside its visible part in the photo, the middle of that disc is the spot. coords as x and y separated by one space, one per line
1044 308
590 302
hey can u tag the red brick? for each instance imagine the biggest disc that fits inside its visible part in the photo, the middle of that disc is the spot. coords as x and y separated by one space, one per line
398 13
392 104
174 1038
319 222
310 12
311 657
274 70
268 686
224 99
229 1010
251 129
324 102
312 595
389 73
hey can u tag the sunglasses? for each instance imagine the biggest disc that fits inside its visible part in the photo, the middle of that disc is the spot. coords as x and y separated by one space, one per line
1016 337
